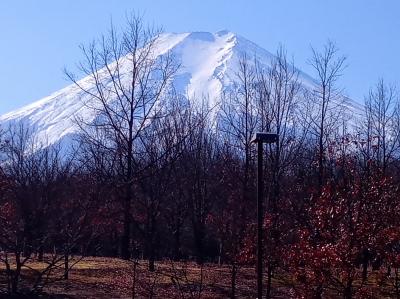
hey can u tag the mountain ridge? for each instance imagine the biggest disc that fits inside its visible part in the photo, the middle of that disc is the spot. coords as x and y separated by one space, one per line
209 63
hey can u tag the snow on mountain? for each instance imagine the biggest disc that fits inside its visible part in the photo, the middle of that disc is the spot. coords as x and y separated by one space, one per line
209 62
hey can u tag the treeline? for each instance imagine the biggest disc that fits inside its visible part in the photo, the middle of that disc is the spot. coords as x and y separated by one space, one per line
157 176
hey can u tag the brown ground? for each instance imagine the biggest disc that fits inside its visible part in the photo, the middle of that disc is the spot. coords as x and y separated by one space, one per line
102 278
113 278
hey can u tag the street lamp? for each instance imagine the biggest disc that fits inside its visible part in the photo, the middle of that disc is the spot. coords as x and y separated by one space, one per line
260 138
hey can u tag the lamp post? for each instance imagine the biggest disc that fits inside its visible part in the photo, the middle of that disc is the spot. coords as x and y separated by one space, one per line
260 138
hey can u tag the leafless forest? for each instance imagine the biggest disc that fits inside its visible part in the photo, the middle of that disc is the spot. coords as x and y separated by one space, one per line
168 183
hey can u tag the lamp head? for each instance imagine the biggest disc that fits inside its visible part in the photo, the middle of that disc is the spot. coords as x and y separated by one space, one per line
264 137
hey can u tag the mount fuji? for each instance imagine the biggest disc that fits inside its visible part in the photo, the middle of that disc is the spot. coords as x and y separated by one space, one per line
209 64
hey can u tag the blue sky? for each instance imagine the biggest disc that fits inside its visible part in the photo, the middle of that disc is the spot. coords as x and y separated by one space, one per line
38 38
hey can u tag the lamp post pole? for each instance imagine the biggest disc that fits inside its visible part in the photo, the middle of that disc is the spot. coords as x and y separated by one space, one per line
260 219
261 138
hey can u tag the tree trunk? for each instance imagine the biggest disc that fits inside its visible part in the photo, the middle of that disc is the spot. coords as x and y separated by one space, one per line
151 247
126 236
66 263
177 249
9 273
348 291
220 254
125 239
269 281
151 259
198 236
365 271
319 291
233 280
134 279
40 254
17 273
365 259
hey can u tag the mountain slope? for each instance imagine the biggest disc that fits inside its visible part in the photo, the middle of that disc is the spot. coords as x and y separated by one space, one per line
209 62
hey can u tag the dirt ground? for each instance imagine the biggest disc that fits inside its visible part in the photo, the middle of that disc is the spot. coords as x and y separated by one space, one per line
101 278
114 278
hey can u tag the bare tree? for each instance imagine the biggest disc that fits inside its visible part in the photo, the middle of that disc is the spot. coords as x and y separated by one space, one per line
378 144
328 67
239 115
38 214
380 134
239 119
199 165
162 144
125 82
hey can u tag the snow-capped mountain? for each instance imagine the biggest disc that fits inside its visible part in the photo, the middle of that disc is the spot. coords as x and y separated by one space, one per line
209 63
